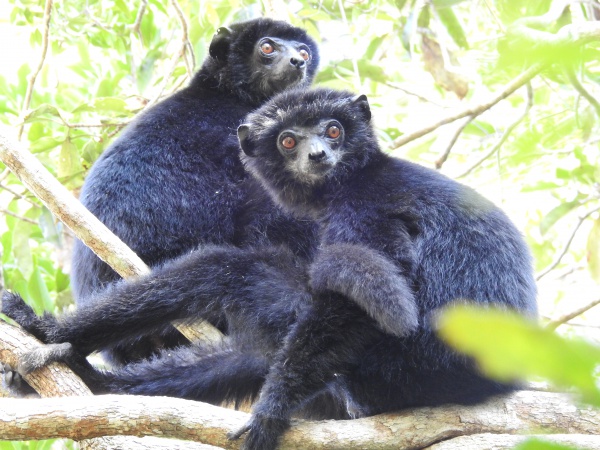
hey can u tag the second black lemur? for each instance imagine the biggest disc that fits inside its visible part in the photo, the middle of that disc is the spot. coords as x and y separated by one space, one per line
173 178
347 335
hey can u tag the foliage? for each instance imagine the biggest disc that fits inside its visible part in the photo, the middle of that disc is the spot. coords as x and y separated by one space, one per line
509 348
535 152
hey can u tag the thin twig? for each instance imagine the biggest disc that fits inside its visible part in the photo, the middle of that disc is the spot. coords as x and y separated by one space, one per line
505 135
475 110
556 262
16 216
33 76
187 45
442 159
135 27
554 324
19 196
354 62
176 57
414 94
95 125
582 91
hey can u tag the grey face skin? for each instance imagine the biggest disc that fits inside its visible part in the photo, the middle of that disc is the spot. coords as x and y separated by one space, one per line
311 152
280 63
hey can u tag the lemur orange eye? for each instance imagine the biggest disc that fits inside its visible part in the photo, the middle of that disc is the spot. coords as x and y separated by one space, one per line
304 54
333 132
267 48
288 142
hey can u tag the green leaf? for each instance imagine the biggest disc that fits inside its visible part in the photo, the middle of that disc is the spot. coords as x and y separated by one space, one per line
541 186
91 151
537 444
372 71
38 292
49 227
35 38
45 143
68 163
103 104
557 213
62 280
42 110
453 26
509 347
593 251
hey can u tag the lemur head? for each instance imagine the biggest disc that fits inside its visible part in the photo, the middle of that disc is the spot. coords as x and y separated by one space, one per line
302 142
262 57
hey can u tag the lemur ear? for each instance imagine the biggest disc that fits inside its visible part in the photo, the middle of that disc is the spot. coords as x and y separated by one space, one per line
219 46
362 102
243 133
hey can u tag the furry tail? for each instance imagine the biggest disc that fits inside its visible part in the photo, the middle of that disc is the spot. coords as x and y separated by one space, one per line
218 376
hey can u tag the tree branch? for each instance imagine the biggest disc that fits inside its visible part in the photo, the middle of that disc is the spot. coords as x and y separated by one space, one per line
57 380
442 159
582 90
85 417
84 224
474 110
505 135
186 44
16 216
554 324
33 76
559 258
135 27
68 209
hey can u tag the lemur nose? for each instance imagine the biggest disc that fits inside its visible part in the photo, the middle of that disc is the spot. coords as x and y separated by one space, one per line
316 155
297 62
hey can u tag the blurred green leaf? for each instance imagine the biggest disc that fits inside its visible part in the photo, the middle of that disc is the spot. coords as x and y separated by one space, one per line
43 110
453 26
68 163
556 214
39 296
103 104
508 347
538 444
49 227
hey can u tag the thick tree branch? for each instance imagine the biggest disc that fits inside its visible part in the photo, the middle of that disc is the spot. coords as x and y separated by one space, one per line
84 224
57 380
86 417
62 204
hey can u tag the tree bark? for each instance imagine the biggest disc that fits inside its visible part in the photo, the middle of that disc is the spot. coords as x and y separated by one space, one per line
57 380
437 428
84 224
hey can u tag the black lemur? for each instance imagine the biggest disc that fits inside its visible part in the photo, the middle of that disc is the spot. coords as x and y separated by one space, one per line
346 335
173 179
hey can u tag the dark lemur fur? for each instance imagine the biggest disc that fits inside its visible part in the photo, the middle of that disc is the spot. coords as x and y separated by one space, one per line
347 335
398 241
173 179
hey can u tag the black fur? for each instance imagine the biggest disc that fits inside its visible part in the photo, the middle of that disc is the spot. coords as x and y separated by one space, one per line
173 179
398 241
346 334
